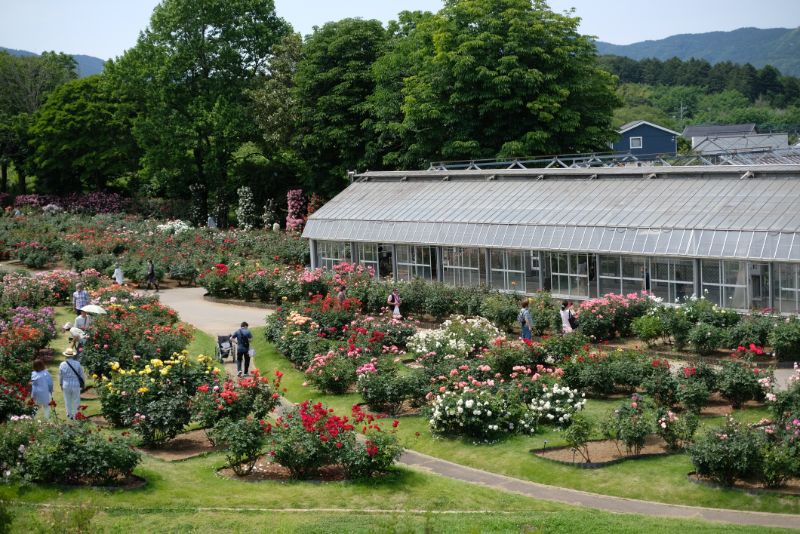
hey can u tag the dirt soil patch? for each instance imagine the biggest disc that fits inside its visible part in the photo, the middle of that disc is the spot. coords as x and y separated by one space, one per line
603 452
100 421
184 446
405 410
791 487
717 406
267 470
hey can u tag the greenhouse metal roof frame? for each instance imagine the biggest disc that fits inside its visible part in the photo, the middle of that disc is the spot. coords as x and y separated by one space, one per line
736 212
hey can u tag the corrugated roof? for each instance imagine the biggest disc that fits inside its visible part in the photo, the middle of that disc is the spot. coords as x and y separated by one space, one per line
696 211
703 130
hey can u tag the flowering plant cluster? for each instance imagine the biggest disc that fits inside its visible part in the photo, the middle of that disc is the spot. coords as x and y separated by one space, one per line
49 288
154 400
14 399
677 431
58 452
131 334
601 319
296 203
92 203
459 336
234 399
479 414
557 404
631 423
174 227
311 436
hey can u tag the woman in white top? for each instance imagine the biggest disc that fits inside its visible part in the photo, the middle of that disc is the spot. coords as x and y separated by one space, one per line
119 278
566 315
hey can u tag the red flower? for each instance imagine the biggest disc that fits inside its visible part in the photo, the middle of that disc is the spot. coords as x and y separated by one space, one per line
395 423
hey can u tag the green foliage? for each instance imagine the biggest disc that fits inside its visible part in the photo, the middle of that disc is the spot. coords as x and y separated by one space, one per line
373 456
81 137
244 440
778 464
333 372
189 126
751 330
333 80
661 385
785 340
578 434
727 453
693 393
648 328
738 383
705 338
561 101
501 309
544 314
559 348
75 453
677 431
630 423
385 390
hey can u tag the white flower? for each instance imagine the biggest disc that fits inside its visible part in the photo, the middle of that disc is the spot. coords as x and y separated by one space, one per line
469 403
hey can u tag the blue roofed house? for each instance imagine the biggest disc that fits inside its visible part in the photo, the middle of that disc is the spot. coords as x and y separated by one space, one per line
642 138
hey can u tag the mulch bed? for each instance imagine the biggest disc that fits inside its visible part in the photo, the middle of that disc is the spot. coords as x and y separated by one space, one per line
184 446
405 410
603 453
791 487
100 421
266 470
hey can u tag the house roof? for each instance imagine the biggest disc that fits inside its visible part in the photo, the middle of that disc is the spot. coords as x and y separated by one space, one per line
706 130
715 212
633 124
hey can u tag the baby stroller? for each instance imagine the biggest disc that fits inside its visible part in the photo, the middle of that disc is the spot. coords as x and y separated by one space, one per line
224 348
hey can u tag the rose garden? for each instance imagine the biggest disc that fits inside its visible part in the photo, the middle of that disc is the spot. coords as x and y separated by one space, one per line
670 404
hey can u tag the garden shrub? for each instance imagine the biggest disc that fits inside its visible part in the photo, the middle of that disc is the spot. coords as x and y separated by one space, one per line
459 336
753 330
630 424
785 340
544 314
332 372
660 384
14 397
501 309
478 414
738 383
372 456
693 393
244 440
311 436
677 431
785 405
75 453
705 338
215 401
504 354
648 328
601 319
592 372
383 387
727 453
778 463
557 404
559 348
578 433
701 310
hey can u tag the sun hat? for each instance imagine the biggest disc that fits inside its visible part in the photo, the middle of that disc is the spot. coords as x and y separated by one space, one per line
70 353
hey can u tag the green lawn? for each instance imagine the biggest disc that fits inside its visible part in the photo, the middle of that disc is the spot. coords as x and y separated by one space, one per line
661 479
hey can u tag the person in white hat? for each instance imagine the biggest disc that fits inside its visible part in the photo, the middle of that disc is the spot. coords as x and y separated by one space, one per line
77 337
72 380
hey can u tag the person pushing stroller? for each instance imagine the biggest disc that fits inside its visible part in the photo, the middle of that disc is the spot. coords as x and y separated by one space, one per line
243 351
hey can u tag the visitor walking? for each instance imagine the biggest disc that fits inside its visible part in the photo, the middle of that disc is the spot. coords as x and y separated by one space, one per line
151 275
568 321
243 350
41 388
80 298
84 321
72 381
119 278
525 321
394 301
341 296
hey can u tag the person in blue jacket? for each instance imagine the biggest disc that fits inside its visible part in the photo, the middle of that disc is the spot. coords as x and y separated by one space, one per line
41 388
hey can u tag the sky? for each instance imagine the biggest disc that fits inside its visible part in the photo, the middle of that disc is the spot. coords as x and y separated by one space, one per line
106 28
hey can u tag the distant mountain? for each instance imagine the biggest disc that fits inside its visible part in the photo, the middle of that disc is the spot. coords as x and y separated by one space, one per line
87 65
779 47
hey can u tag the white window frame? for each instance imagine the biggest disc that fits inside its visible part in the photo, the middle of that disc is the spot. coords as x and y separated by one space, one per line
330 253
641 142
416 263
368 262
508 275
573 278
461 266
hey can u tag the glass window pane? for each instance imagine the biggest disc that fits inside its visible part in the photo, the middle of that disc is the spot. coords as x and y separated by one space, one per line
713 293
684 270
633 267
609 285
609 266
710 270
735 272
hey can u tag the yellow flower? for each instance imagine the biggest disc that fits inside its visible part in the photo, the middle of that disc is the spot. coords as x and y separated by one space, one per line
115 366
156 362
285 298
94 376
143 390
165 371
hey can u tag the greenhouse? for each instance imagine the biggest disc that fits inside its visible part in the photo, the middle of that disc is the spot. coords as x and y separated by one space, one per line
729 232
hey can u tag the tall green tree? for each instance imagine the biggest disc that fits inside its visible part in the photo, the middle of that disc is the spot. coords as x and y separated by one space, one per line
503 78
25 82
332 83
81 137
189 73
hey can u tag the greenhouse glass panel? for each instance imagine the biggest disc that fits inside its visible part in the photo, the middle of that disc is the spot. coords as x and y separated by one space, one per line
609 266
787 287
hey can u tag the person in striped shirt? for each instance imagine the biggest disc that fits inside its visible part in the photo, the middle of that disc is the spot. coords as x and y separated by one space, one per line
72 380
80 298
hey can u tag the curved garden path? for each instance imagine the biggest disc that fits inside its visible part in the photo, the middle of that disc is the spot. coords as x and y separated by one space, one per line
216 318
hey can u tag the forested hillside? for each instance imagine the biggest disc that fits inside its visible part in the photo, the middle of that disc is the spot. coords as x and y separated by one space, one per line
675 93
779 47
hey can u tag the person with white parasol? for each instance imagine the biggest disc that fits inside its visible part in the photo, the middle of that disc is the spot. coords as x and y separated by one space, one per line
83 323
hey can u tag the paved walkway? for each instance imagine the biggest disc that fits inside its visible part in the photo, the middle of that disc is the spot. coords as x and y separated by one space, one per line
224 318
